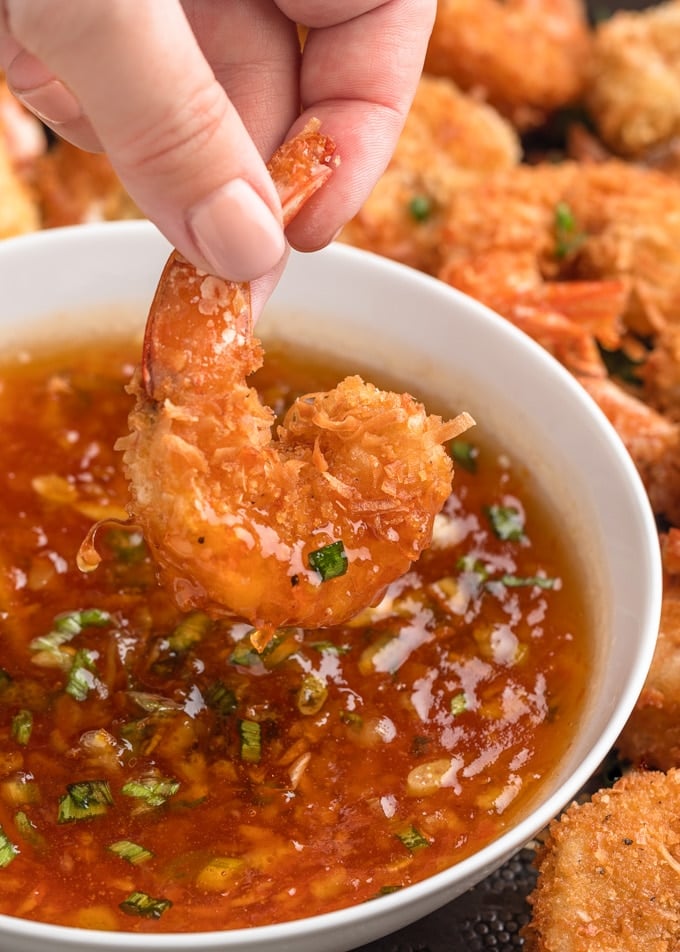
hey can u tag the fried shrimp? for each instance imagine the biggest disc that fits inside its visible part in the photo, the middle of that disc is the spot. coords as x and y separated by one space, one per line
448 139
305 529
609 872
525 57
651 736
633 87
592 222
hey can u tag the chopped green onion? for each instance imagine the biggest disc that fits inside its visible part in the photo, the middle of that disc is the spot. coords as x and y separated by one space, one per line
420 207
507 522
458 704
132 852
189 631
568 235
154 792
154 703
82 677
127 546
472 566
388 890
141 904
84 801
28 830
465 454
352 719
312 694
330 647
244 654
622 365
330 561
220 699
22 725
251 741
412 839
8 851
516 581
68 625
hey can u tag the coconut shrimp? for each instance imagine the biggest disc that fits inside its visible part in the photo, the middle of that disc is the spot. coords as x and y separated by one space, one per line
592 222
21 140
305 529
525 57
448 140
633 88
651 736
609 872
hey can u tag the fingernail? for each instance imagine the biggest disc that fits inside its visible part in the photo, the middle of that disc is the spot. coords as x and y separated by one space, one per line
52 102
236 232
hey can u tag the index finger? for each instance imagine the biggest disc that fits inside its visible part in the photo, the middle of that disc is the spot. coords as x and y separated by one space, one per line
360 68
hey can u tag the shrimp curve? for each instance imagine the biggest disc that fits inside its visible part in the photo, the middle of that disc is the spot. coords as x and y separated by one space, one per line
305 529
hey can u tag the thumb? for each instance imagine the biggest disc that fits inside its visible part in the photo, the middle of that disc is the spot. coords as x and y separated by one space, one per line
136 75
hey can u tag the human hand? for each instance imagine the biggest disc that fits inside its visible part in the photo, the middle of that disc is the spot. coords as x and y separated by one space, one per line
188 97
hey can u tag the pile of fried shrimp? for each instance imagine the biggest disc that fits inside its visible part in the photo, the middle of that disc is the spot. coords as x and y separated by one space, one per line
539 172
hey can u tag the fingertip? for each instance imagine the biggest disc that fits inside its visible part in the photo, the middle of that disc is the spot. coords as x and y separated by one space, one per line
236 233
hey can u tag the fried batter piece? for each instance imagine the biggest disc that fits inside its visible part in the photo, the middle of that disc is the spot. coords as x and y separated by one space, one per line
633 86
592 222
448 139
651 736
580 256
609 872
21 140
525 57
74 187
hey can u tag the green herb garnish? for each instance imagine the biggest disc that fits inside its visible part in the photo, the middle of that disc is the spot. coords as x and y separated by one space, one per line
8 851
132 852
251 741
465 454
189 631
458 704
22 725
84 801
220 699
330 561
517 581
568 235
153 791
412 839
420 207
507 522
620 364
68 625
82 677
29 831
141 904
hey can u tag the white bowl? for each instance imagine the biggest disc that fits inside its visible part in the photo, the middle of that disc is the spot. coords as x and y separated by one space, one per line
372 310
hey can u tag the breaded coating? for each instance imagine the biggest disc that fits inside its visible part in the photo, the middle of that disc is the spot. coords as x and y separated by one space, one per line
651 736
18 208
525 57
448 139
633 88
609 872
74 186
606 221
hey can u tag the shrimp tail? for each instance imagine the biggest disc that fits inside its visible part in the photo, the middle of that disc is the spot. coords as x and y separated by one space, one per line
299 168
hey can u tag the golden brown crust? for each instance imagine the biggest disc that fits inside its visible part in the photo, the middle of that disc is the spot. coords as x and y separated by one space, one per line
609 872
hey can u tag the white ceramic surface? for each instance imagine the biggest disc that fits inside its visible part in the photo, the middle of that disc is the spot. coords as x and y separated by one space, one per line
86 280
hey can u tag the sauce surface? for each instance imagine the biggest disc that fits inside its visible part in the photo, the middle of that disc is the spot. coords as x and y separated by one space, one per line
158 774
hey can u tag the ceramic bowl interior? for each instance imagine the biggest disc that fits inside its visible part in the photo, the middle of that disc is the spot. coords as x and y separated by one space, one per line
91 279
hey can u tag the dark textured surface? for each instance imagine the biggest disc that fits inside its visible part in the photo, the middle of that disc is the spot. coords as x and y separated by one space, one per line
489 917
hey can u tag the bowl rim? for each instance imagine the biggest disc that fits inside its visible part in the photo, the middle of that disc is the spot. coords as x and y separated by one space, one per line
432 892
